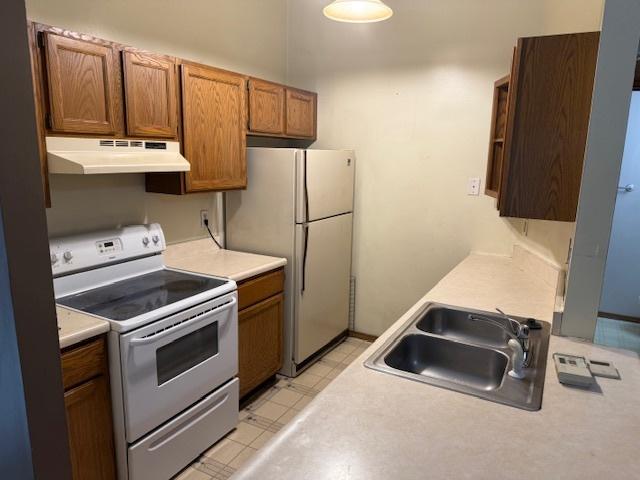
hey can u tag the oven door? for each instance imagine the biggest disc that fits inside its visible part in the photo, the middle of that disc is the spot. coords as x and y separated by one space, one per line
170 364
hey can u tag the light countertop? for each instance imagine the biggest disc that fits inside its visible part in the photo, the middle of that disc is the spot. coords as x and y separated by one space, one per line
203 256
200 256
371 425
76 327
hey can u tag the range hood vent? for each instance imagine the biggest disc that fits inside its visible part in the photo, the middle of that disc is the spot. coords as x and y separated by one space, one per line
86 156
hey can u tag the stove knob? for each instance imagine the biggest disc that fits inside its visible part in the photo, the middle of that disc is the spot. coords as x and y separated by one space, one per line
145 241
155 239
54 258
67 256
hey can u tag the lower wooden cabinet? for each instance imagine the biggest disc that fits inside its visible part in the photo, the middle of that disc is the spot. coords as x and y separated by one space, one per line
260 327
88 407
260 342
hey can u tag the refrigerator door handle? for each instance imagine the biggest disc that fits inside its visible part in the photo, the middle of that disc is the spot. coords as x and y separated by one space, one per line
305 248
306 190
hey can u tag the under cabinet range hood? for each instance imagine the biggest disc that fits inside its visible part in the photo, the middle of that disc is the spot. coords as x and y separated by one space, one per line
86 156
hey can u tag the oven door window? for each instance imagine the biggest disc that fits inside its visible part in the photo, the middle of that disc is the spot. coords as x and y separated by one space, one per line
186 352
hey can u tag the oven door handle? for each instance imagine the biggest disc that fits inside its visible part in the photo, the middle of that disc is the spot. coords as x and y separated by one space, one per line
135 342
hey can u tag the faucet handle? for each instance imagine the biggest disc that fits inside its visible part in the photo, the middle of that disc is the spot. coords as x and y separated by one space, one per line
514 324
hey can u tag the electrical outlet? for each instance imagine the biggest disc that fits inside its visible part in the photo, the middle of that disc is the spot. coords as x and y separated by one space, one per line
474 186
204 215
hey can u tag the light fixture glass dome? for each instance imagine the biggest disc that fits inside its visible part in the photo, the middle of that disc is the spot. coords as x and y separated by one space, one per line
357 11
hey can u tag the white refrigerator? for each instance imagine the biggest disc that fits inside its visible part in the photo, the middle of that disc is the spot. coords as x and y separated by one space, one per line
299 205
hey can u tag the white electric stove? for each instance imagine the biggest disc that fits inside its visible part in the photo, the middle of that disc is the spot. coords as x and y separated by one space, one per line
173 345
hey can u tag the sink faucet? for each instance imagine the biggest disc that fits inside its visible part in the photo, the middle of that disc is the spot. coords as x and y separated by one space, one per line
518 341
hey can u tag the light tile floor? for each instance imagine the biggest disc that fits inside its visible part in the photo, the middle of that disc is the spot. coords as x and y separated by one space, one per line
618 334
272 410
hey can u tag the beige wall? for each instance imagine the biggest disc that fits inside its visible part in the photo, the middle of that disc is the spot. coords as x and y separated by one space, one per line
248 36
413 97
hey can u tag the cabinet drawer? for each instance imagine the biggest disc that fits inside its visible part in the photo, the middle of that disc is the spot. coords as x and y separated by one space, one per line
82 363
259 288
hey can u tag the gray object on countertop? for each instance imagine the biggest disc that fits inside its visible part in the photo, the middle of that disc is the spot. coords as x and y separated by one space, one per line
573 370
602 368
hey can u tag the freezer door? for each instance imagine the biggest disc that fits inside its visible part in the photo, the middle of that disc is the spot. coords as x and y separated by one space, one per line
323 264
324 183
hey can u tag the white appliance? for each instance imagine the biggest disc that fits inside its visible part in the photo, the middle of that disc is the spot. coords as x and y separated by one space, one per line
173 345
85 156
299 205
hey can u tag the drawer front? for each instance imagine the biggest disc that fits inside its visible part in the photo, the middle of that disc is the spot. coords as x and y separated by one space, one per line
172 447
82 363
260 288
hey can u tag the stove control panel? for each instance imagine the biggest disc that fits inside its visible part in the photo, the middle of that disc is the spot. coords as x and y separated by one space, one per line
107 247
92 250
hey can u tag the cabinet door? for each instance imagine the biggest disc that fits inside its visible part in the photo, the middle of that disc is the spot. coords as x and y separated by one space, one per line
301 113
214 128
84 86
548 118
260 342
90 430
151 95
266 107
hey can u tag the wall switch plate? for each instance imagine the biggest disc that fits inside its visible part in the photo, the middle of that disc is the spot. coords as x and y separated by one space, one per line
204 215
473 187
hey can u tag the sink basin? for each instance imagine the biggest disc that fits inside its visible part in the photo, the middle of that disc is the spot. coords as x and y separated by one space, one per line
476 367
454 323
441 346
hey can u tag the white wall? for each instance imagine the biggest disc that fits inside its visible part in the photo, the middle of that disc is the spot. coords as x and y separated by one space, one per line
248 36
413 97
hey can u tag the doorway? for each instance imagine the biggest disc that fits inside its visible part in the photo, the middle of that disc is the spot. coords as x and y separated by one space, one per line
618 322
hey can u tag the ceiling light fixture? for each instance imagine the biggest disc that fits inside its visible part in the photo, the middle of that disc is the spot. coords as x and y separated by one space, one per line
357 11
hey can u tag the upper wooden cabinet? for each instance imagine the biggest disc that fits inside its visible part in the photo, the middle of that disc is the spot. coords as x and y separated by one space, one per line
214 128
151 95
301 113
87 86
84 86
266 107
548 107
280 111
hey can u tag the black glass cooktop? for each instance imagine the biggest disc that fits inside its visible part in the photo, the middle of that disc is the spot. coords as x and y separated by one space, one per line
139 295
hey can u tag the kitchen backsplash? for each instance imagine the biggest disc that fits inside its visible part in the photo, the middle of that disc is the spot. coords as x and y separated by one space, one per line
86 203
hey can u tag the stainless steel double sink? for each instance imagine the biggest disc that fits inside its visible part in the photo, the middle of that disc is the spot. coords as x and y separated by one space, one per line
442 346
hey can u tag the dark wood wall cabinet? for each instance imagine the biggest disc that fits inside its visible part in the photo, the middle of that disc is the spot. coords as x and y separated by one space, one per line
87 86
537 149
88 405
260 324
